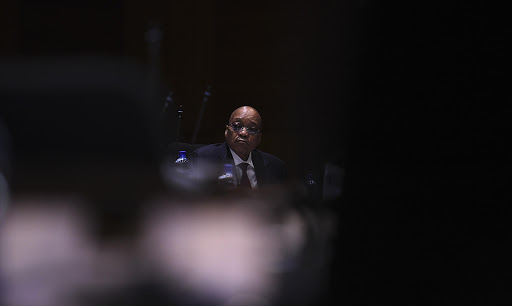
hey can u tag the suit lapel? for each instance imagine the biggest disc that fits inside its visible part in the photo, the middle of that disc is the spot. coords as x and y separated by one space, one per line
259 167
225 153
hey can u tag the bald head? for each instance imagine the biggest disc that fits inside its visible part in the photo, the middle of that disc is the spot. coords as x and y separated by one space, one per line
246 111
243 140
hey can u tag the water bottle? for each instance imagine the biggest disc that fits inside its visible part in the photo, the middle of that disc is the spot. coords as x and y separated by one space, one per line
311 187
309 180
227 177
182 164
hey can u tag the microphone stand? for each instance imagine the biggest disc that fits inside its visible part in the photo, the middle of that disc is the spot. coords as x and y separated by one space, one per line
153 38
179 115
163 112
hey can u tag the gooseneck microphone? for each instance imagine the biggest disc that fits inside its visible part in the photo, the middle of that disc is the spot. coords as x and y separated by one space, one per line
206 96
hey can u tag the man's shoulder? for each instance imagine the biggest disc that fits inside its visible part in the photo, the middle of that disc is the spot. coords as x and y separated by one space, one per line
275 168
209 147
269 158
208 150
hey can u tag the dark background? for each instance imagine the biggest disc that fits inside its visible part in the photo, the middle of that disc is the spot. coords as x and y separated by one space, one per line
294 62
404 96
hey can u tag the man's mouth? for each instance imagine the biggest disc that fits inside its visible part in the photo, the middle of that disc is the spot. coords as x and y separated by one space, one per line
241 140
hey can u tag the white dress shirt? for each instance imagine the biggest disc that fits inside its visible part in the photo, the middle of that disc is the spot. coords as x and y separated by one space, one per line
250 169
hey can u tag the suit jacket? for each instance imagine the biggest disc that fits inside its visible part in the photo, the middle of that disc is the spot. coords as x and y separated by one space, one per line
268 168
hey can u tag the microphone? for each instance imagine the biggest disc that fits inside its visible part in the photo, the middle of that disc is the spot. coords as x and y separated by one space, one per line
179 115
165 108
206 96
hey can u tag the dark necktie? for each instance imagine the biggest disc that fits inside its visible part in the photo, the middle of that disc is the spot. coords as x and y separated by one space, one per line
244 181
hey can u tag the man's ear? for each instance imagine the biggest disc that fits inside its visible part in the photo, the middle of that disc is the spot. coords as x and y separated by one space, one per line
226 133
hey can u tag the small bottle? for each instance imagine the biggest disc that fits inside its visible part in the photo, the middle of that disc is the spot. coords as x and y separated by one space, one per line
311 187
309 180
227 177
182 163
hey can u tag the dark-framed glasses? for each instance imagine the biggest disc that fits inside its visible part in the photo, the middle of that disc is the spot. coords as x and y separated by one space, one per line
237 128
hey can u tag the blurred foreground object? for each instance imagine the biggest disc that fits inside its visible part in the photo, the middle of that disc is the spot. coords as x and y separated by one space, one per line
79 124
83 155
47 253
4 169
333 181
219 249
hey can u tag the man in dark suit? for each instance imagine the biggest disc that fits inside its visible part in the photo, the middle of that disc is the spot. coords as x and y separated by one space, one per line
252 168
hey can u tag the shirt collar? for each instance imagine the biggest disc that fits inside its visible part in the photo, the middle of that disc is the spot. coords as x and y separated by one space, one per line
238 160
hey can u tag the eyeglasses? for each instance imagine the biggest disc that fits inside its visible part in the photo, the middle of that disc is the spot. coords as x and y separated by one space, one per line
237 128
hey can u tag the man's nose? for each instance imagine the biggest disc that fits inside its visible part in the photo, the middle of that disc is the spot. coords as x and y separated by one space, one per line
243 132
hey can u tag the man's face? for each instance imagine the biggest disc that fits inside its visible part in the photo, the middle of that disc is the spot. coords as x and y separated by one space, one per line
243 141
